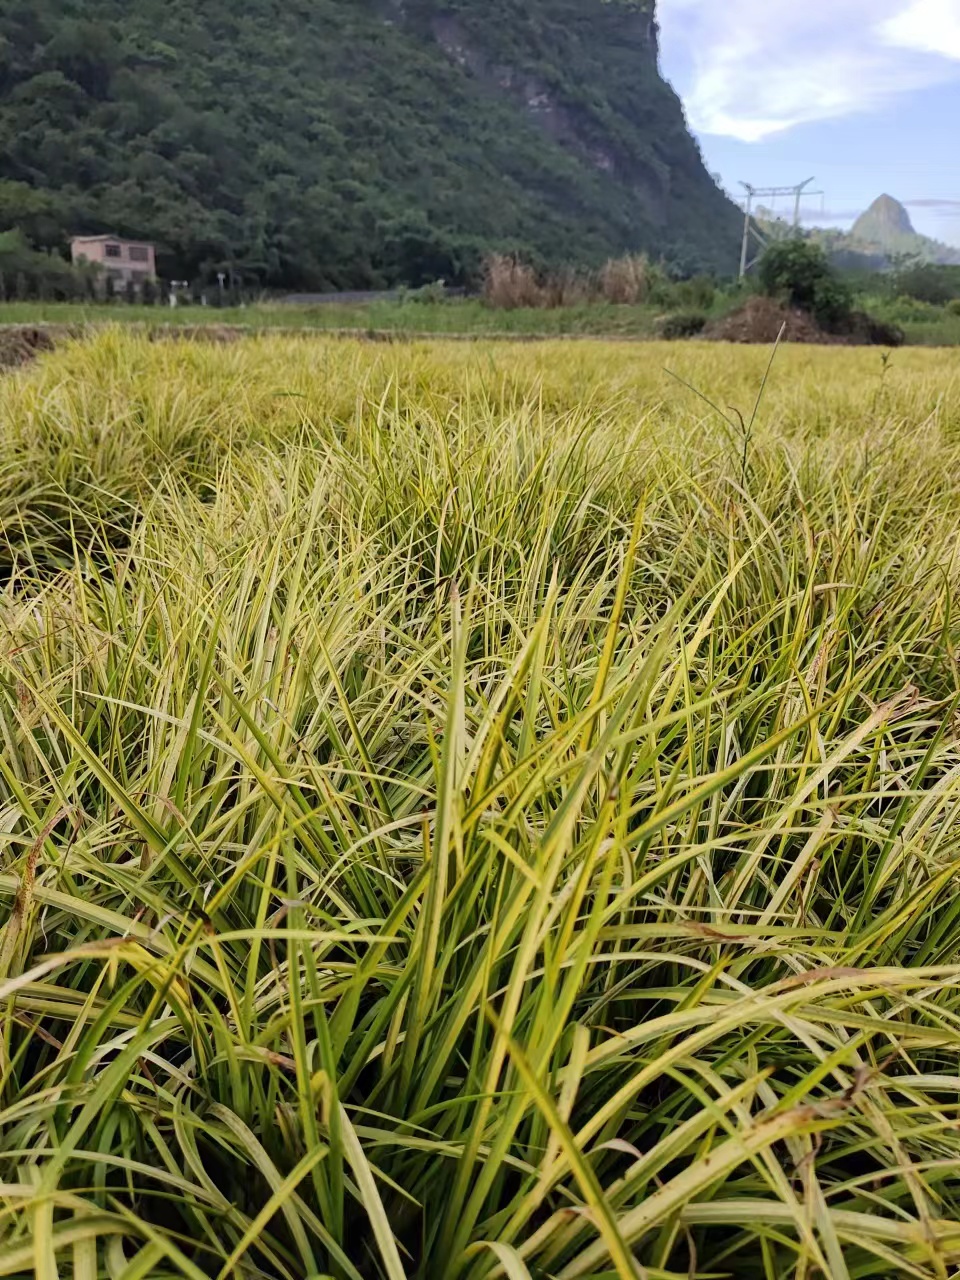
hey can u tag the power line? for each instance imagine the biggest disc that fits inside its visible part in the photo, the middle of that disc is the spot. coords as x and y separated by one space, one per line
751 231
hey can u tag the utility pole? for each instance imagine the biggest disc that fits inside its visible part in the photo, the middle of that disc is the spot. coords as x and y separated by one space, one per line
747 226
752 231
796 205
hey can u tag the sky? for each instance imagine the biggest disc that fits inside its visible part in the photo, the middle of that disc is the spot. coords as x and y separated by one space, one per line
864 95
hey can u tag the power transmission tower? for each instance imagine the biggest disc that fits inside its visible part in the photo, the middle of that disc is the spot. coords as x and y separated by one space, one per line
751 231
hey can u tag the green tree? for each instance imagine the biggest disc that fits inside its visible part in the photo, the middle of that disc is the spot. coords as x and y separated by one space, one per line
798 273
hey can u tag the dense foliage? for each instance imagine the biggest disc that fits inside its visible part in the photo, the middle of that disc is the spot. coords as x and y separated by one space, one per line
799 272
927 282
475 811
329 143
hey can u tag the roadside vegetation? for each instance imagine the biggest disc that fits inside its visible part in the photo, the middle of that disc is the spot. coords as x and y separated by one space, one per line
476 810
630 296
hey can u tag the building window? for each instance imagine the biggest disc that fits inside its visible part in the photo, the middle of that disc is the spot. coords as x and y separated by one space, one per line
112 251
139 253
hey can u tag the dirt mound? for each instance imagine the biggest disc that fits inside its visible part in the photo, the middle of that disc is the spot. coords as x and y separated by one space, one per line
761 319
866 330
19 344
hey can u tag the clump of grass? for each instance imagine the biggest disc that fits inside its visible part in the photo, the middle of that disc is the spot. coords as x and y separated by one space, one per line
569 288
682 324
509 283
491 831
626 280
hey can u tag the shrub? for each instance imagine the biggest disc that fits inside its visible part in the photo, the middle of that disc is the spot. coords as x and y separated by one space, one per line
954 307
428 294
913 309
36 274
800 274
832 305
927 282
663 293
682 324
699 293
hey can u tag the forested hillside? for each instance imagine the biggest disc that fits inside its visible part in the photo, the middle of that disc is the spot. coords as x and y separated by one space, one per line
351 143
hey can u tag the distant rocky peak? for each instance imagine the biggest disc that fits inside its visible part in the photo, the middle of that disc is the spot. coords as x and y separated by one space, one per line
886 217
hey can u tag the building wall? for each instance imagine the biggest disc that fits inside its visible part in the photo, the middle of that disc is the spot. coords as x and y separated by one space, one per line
123 260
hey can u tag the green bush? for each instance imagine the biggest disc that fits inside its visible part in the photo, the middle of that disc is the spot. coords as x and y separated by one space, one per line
913 308
700 293
682 324
800 274
36 275
928 282
429 294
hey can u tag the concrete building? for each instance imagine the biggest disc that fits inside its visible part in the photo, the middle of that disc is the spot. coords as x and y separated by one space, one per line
124 261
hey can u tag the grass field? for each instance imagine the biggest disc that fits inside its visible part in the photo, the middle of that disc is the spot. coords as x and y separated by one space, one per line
476 811
454 316
923 325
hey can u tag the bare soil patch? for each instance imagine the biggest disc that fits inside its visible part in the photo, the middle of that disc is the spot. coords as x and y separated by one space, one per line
760 320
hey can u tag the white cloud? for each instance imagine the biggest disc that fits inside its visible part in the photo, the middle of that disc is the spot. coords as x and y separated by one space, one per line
932 26
751 68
